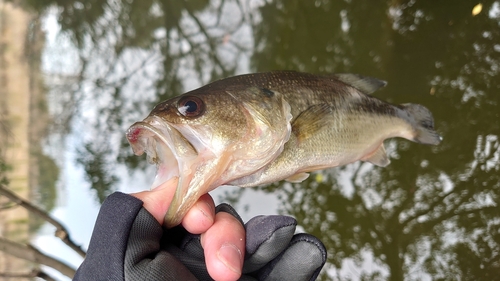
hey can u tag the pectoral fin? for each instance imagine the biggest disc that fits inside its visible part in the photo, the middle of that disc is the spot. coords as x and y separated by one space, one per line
378 157
298 177
311 121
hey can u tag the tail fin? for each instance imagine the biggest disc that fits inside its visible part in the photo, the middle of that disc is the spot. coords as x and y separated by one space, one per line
423 124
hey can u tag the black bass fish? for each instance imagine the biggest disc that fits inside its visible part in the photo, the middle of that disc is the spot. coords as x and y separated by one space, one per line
254 129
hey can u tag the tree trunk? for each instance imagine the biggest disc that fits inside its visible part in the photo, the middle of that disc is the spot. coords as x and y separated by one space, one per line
393 259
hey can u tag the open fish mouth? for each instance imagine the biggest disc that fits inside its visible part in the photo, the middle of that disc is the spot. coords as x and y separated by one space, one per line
170 151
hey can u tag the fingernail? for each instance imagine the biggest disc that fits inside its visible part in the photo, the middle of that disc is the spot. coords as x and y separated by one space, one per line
230 256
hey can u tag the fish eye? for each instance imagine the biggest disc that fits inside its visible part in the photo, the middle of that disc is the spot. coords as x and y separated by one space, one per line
190 106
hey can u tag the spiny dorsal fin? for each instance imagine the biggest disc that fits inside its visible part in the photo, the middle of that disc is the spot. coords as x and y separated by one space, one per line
311 120
365 84
378 157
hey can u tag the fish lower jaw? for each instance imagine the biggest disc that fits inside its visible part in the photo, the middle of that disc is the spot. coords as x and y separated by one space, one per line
167 165
164 146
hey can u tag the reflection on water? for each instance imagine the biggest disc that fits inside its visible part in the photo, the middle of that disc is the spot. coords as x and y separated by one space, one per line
432 213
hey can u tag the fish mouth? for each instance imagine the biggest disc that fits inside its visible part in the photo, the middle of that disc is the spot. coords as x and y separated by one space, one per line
173 155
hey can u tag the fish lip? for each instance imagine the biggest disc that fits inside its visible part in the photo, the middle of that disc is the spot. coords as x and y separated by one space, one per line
173 155
161 142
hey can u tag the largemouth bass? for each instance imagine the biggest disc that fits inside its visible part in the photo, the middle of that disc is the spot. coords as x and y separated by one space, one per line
255 129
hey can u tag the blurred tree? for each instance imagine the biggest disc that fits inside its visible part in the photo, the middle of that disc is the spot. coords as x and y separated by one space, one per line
131 54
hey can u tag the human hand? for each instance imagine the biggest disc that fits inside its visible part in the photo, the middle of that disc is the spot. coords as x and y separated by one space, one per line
222 236
212 244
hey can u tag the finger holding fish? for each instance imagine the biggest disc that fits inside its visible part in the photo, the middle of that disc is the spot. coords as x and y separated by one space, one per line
221 234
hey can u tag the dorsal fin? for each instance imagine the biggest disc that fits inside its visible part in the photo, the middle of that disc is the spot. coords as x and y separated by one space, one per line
365 84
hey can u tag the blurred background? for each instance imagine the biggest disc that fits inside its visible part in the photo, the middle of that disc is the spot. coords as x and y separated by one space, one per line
74 75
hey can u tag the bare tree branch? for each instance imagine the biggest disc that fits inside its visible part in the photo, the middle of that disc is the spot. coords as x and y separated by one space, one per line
60 232
30 253
209 40
439 200
29 275
425 227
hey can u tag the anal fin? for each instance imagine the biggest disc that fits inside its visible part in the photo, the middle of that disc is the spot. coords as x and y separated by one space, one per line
297 177
378 157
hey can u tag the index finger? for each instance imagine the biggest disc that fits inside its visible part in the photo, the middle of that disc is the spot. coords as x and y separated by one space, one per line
157 200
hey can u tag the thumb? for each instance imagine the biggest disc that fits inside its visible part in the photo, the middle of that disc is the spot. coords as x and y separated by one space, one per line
157 200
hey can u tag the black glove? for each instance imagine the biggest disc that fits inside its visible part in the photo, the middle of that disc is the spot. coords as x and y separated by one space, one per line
273 252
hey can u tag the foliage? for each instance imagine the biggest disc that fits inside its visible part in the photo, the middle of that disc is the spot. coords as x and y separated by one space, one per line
95 164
